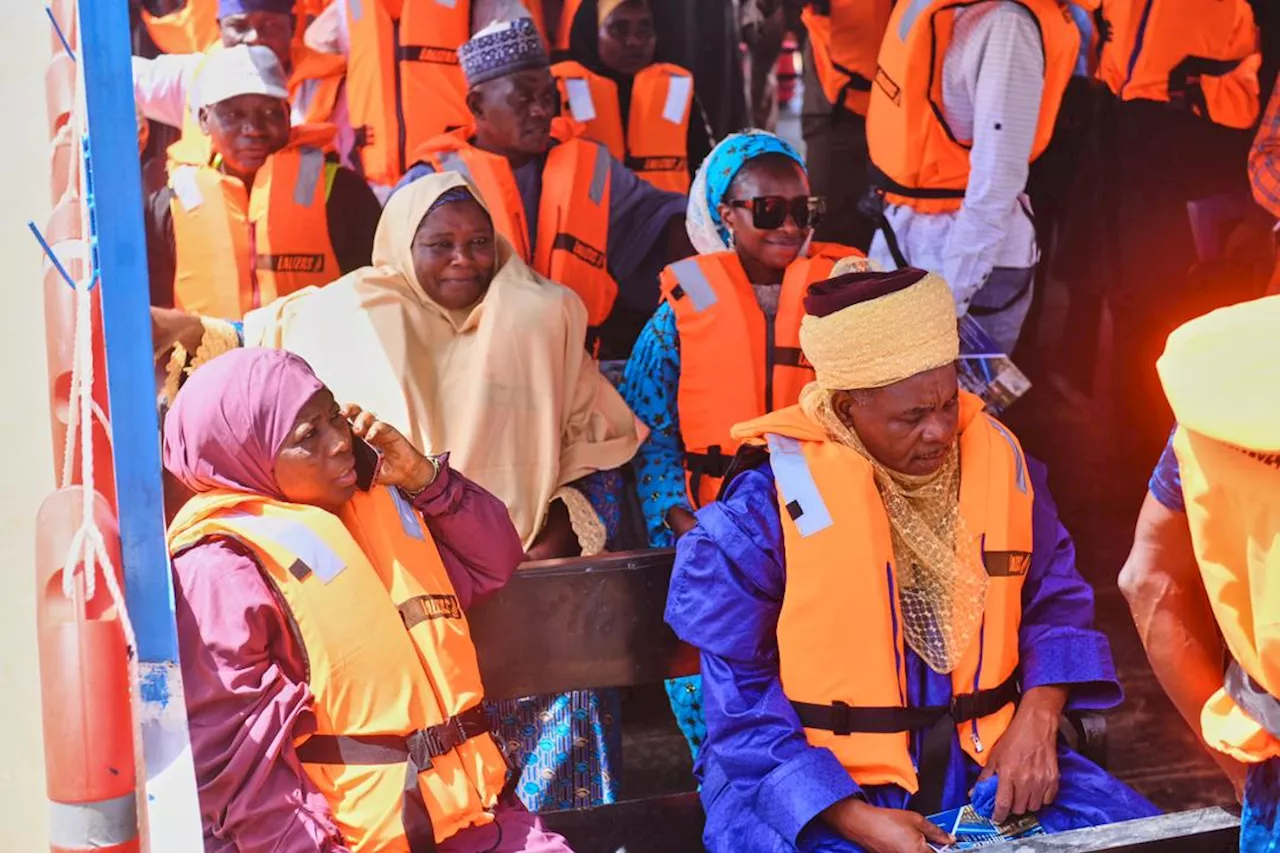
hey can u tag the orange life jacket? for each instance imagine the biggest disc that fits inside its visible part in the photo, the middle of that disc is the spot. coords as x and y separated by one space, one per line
406 85
316 76
237 249
839 632
655 142
731 368
572 233
190 29
564 29
1221 373
919 159
845 36
1203 54
388 648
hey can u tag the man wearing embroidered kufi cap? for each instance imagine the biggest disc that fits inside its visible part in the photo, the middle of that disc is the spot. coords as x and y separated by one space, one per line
572 211
887 607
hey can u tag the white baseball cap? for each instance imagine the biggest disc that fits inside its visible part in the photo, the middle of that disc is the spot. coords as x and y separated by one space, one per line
241 70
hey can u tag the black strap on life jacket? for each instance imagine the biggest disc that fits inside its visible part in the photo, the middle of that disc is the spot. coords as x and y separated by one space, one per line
713 463
842 719
1253 698
415 751
872 205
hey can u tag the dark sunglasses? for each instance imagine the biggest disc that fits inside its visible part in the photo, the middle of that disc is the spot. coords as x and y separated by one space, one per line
770 211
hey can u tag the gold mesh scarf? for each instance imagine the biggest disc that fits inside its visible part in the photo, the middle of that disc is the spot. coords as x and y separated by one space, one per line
942 584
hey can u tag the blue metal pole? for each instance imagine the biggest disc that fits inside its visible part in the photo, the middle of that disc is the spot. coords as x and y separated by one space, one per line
116 201
114 196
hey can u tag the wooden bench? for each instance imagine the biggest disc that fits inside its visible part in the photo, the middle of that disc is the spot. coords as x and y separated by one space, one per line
575 624
595 623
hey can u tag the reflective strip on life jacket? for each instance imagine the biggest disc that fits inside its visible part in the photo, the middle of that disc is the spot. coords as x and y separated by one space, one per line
917 158
804 504
841 602
101 825
1199 54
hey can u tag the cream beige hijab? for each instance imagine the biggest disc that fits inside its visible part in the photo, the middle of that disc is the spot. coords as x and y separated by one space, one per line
507 388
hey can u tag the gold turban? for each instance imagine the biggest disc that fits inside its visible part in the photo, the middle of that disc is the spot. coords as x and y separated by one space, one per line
605 8
871 329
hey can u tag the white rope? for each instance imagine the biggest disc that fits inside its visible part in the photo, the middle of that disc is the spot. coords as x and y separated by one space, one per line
88 547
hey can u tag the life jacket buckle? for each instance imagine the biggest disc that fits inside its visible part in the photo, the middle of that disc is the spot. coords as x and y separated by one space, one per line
841 723
420 749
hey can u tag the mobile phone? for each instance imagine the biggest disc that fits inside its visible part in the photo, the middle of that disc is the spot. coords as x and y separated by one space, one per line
368 462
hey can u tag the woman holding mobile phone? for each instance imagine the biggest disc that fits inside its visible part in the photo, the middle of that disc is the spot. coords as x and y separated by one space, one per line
318 722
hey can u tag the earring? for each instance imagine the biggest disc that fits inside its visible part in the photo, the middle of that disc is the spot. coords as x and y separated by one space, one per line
732 239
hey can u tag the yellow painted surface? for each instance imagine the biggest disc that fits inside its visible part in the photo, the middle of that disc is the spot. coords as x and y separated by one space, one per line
26 472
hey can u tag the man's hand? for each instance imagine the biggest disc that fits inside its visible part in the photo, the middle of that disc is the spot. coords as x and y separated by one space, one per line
170 326
1025 759
883 830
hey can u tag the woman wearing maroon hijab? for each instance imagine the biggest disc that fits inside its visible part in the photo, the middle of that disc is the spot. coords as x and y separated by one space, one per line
256 436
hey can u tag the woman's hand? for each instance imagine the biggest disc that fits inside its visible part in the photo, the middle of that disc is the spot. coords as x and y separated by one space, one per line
680 520
1025 759
170 326
403 465
883 830
557 539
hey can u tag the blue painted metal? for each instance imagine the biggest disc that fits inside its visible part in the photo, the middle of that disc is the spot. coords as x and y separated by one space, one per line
115 199
53 258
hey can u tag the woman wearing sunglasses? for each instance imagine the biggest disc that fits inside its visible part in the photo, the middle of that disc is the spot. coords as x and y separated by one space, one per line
724 346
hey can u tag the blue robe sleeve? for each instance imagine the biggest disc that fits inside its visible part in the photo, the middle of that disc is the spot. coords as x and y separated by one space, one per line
638 217
1166 479
650 386
1057 642
602 489
417 170
725 597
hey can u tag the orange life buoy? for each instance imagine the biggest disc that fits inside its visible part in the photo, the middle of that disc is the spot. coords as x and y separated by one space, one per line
84 680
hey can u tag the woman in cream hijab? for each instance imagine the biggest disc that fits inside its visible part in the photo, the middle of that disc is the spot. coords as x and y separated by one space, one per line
453 340
462 348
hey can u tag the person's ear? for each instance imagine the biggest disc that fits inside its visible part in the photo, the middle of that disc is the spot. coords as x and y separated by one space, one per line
205 120
475 102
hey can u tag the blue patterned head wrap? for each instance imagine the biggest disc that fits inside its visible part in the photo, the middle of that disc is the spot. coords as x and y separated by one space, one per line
502 48
727 159
240 7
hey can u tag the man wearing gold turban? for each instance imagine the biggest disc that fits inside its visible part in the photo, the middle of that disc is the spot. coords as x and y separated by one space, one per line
889 614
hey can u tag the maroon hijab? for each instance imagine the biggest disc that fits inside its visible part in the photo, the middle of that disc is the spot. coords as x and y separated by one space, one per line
230 419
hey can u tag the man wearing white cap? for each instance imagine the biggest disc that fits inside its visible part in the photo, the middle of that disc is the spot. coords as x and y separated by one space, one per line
888 609
167 88
264 213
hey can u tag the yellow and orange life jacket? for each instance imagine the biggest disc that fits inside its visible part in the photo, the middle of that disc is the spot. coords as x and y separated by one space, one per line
1221 373
840 629
733 368
654 142
388 648
1203 54
845 36
919 160
572 233
239 248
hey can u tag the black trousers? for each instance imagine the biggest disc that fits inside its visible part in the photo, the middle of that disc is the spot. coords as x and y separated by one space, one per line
1162 157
